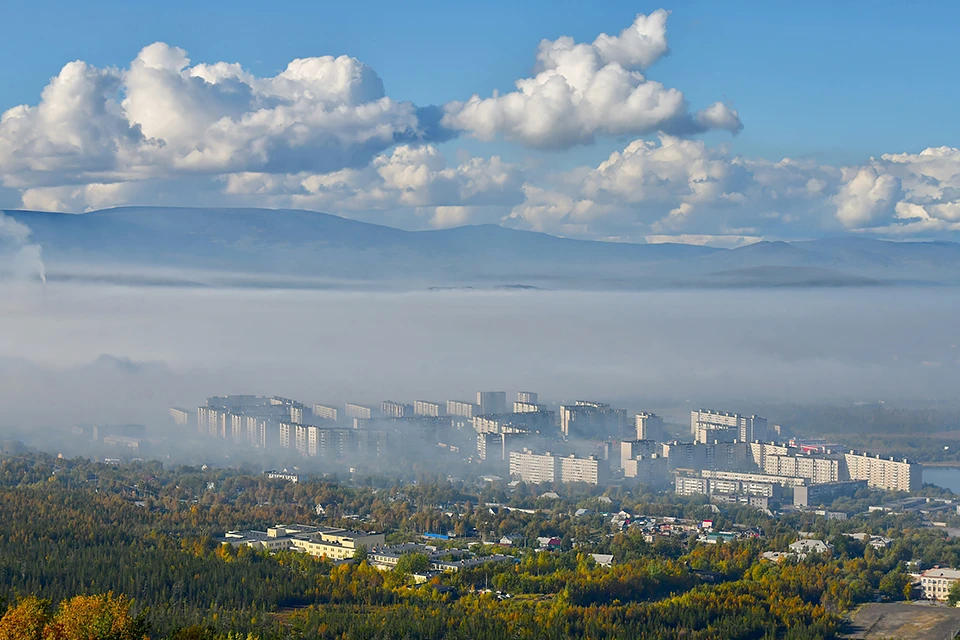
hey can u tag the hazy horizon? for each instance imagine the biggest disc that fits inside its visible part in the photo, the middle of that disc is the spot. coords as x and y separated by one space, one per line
86 353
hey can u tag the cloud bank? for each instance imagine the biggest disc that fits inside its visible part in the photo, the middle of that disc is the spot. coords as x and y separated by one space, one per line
324 134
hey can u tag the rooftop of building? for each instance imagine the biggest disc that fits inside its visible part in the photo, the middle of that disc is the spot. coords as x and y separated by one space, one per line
937 572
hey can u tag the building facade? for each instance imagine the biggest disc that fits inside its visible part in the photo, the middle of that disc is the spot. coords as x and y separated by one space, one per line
592 420
649 426
391 409
492 402
935 584
884 473
460 409
746 428
534 467
358 411
324 412
433 409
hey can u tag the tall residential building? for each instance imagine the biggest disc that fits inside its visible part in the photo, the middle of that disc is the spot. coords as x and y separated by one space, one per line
761 478
391 409
593 420
760 450
884 473
180 416
651 470
455 408
528 407
534 467
817 470
324 412
527 397
698 456
824 494
492 402
499 446
649 426
513 422
746 428
591 470
358 411
630 449
546 467
424 408
292 408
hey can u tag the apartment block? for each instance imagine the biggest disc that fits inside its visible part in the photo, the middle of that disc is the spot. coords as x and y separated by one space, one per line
691 486
630 449
824 494
433 409
455 408
534 467
491 402
180 416
762 478
747 428
650 469
528 407
391 409
325 412
818 470
527 397
590 470
498 446
358 411
593 420
649 426
884 473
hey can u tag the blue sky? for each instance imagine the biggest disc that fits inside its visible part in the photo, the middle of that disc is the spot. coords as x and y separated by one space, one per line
823 82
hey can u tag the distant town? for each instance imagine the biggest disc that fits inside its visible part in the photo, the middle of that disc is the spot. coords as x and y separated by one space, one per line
730 457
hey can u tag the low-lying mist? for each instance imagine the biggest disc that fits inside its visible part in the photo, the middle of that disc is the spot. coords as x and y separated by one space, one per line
78 353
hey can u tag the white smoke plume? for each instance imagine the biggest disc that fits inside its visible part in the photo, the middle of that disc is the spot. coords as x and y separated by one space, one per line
20 259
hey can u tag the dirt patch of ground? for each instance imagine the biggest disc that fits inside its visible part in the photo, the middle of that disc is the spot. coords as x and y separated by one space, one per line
905 621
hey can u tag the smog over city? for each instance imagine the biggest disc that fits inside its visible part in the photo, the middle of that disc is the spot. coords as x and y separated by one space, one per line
510 320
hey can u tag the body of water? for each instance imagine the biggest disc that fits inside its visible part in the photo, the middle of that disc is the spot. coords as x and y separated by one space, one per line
946 477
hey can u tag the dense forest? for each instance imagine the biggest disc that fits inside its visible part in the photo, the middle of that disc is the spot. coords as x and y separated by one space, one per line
92 550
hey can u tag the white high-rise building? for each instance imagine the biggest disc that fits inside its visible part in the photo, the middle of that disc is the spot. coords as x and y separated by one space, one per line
391 409
649 426
180 416
358 411
534 467
630 449
884 473
527 397
729 426
590 470
433 409
462 409
324 412
528 407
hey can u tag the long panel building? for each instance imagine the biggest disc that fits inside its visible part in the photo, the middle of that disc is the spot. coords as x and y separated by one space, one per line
884 473
712 426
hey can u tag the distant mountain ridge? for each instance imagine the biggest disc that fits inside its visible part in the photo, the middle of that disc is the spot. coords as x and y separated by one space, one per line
287 247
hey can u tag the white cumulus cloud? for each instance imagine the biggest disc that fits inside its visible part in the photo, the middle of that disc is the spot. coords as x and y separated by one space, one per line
582 90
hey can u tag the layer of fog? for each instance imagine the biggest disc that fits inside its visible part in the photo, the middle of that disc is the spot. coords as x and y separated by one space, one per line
73 353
